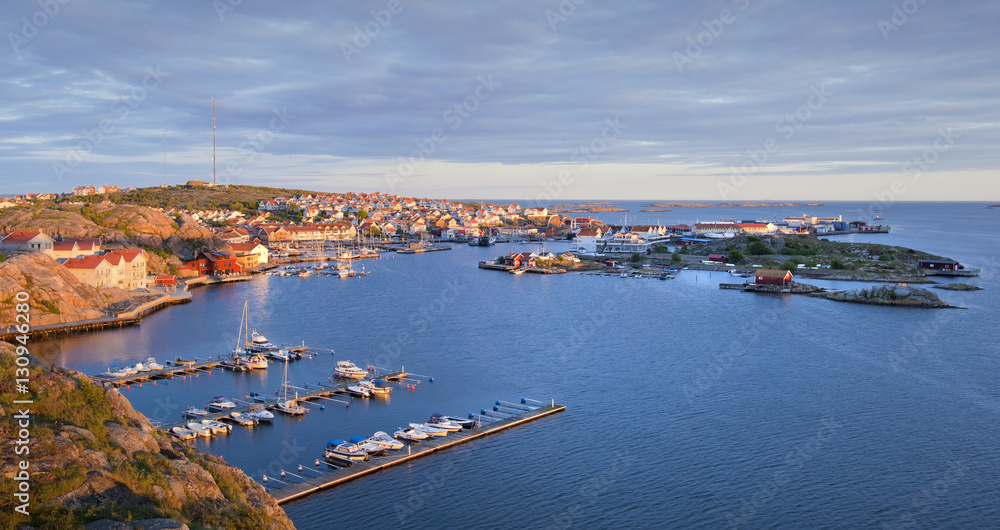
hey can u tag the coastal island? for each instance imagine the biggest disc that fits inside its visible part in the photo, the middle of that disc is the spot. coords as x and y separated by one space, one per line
587 207
726 204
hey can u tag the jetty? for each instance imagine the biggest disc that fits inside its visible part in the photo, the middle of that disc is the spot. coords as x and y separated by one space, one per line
499 422
421 250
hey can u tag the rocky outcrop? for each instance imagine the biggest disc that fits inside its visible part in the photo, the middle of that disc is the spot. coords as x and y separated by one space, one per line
96 462
900 294
54 294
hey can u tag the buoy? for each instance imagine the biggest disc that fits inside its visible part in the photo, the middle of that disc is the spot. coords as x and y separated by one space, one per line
322 407
184 378
317 382
128 387
431 379
210 374
330 379
282 473
317 462
300 468
154 383
523 401
265 479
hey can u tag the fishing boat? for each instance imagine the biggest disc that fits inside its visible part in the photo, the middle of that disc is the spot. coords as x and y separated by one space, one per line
259 413
370 448
464 422
183 433
430 430
241 419
342 449
437 420
193 412
348 370
217 427
410 435
200 429
153 365
384 440
221 404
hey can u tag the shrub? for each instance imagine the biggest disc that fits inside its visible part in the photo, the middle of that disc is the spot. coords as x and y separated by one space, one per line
735 256
676 257
836 264
789 264
756 248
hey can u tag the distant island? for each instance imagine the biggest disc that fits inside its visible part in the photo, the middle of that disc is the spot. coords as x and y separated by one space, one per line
657 210
725 204
588 207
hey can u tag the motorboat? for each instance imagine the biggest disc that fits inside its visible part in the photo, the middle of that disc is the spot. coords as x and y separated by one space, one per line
241 419
370 448
259 343
200 429
220 404
430 430
259 413
257 362
335 459
410 435
183 433
119 372
437 420
193 412
343 273
258 398
382 439
348 370
278 355
376 387
359 390
139 367
153 365
217 427
290 407
340 448
466 423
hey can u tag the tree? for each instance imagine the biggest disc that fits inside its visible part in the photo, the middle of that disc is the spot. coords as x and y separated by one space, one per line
790 264
362 215
836 264
756 248
676 257
635 258
735 256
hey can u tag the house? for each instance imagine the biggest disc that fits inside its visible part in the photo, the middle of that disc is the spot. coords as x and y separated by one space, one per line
250 255
94 271
166 280
130 268
7 203
213 264
725 229
75 248
83 191
939 265
772 277
31 241
590 239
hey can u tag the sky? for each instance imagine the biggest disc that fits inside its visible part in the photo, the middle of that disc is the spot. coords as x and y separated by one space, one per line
542 101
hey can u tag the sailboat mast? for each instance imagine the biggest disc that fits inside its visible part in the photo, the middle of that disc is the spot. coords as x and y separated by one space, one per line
213 140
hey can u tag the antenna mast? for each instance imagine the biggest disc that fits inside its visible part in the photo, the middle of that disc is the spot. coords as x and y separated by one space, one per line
164 157
213 140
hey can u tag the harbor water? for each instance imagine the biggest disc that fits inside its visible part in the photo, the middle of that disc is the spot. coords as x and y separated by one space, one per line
687 405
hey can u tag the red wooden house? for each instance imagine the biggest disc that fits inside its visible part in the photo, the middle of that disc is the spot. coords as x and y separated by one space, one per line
772 277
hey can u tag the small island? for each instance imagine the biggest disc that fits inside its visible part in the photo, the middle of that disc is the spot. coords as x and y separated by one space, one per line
724 204
588 207
958 287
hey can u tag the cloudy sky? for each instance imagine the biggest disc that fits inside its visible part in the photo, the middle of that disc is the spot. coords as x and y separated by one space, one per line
570 99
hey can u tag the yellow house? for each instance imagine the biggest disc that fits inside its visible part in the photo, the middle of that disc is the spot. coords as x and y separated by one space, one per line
250 255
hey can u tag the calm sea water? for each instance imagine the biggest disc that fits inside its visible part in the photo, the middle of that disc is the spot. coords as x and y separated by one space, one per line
688 406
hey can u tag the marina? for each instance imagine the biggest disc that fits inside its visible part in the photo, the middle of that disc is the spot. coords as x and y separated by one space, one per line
496 422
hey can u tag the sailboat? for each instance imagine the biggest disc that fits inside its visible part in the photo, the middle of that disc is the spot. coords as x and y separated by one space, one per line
288 406
244 353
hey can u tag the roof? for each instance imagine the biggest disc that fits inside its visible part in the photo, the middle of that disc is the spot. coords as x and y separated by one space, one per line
86 262
128 255
244 247
943 261
591 231
23 237
779 274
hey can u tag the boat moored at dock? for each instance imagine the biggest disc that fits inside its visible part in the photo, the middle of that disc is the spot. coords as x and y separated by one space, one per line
341 449
183 433
348 370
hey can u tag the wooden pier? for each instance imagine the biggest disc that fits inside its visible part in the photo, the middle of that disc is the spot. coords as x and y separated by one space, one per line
359 469
420 250
175 368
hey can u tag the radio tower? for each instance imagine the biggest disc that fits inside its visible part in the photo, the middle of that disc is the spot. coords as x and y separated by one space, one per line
213 141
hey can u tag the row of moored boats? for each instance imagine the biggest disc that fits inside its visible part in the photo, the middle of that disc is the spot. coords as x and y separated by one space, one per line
359 448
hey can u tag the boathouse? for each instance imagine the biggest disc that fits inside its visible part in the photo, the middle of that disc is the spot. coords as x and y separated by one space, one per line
772 277
718 258
939 264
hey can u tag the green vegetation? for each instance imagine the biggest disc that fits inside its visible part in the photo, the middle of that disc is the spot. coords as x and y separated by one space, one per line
798 247
240 198
836 264
735 256
50 307
756 248
635 258
789 264
3 258
676 257
362 215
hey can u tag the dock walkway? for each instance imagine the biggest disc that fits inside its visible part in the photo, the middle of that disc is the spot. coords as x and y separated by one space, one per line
426 447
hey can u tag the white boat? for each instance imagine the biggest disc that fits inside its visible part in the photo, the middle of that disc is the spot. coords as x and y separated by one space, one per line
278 355
256 362
241 419
359 391
200 429
153 365
305 273
343 273
259 342
341 449
183 433
220 404
411 435
383 439
370 448
285 405
437 420
259 413
258 398
139 367
348 370
430 430
193 412
118 372
374 387
217 427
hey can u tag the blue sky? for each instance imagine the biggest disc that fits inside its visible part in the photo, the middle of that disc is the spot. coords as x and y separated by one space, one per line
548 100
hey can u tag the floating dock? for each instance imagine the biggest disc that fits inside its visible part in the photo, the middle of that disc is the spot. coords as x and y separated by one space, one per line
420 250
343 475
